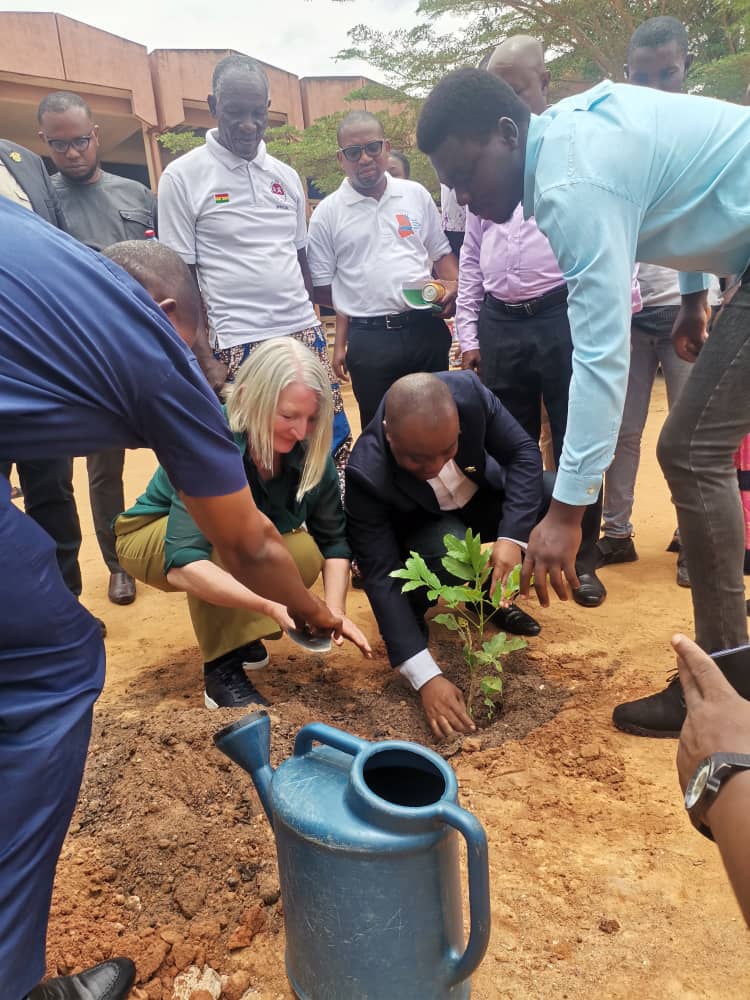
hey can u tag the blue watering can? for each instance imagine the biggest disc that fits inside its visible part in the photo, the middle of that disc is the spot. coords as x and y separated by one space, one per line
368 863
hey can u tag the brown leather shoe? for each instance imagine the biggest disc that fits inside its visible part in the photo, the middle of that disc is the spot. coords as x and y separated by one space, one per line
121 588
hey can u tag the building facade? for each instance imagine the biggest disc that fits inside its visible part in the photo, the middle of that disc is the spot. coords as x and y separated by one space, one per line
135 95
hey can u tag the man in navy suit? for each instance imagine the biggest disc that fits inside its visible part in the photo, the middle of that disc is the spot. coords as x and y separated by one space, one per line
441 454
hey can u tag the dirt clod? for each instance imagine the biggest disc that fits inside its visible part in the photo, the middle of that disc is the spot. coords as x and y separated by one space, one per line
609 925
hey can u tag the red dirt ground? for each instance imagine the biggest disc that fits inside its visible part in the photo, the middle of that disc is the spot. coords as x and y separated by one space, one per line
600 887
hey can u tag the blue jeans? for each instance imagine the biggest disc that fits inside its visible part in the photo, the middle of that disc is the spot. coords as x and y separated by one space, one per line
650 346
696 451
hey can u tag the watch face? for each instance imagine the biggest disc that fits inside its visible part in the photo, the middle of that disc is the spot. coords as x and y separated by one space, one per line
697 784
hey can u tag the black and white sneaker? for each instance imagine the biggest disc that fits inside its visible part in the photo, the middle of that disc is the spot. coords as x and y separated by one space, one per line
254 656
228 687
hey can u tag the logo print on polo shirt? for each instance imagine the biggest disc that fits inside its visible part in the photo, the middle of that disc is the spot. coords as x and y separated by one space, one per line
278 189
221 199
405 227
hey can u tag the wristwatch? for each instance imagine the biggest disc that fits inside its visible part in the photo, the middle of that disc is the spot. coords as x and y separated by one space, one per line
706 783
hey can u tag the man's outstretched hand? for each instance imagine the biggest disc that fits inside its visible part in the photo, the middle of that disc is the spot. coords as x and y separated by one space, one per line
318 621
551 553
445 708
718 719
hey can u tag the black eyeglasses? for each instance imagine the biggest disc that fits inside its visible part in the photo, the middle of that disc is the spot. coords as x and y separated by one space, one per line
80 143
354 153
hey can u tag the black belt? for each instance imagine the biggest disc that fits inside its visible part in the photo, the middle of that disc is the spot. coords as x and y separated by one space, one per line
531 306
393 321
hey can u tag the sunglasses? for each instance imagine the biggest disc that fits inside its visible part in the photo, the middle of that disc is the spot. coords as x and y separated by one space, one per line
80 143
354 153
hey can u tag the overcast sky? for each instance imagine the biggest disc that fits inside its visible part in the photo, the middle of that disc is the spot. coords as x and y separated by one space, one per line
300 36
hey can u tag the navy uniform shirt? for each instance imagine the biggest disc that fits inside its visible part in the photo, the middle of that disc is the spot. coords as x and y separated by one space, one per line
88 361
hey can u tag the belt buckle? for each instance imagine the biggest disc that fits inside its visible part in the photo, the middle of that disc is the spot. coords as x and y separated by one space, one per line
394 322
528 307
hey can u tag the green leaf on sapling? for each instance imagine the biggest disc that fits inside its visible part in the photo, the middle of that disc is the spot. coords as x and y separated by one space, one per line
512 585
458 568
453 596
499 644
491 685
449 621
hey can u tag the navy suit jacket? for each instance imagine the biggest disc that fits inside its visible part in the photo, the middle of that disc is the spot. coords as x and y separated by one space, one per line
493 451
28 170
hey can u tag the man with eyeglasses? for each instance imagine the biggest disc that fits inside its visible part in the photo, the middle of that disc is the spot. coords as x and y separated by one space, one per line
238 218
374 235
100 209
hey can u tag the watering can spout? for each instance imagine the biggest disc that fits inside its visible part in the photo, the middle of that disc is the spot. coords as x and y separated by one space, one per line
248 743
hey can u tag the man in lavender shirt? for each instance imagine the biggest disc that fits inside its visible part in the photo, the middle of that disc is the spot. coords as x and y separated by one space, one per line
511 310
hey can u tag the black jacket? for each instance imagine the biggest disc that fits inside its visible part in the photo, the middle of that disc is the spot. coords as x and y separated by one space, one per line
29 171
493 451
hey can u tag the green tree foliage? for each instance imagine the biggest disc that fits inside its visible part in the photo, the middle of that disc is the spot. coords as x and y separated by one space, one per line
586 40
178 143
312 151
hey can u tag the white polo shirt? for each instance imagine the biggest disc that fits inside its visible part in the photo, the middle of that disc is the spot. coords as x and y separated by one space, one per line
367 249
241 223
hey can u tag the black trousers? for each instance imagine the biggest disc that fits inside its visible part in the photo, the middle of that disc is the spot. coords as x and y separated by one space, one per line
456 239
107 500
48 498
377 357
527 360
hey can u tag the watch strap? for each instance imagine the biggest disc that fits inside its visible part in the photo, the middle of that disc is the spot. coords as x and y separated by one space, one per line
723 766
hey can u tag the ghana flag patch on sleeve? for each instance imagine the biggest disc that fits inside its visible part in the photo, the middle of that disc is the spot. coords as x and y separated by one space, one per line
221 199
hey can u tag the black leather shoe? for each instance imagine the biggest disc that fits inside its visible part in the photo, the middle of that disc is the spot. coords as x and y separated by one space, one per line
512 619
591 592
615 550
121 588
109 981
674 545
660 715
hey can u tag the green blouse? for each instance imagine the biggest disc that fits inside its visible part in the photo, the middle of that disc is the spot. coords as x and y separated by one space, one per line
320 510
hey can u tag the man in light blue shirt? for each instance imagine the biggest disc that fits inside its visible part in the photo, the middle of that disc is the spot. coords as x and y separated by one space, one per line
615 175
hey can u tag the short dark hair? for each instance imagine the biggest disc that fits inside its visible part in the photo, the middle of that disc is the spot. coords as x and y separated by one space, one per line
60 101
160 270
403 160
358 118
236 65
467 104
659 31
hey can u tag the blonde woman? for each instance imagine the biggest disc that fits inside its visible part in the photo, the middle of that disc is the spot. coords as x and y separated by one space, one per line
280 411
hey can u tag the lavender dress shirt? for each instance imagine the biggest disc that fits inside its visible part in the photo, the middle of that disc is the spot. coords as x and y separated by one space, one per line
513 262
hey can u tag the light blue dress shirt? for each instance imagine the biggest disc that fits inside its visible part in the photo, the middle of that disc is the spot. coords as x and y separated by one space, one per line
620 174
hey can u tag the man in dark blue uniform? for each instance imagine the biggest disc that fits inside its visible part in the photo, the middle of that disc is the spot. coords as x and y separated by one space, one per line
87 362
47 483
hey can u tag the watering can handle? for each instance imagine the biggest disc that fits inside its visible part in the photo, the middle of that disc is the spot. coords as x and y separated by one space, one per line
328 735
479 888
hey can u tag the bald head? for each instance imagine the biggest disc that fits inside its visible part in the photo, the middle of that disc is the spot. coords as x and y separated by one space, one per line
167 279
519 62
421 424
